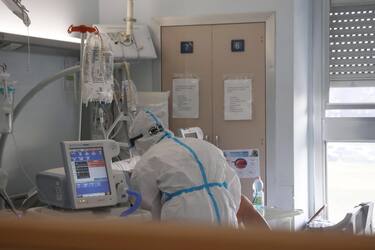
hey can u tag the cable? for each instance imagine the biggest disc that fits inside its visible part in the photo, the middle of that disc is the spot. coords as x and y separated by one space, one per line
31 194
20 166
117 103
136 205
28 50
9 202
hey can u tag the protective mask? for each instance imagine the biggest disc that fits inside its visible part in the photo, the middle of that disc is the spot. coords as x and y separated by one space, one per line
143 144
133 152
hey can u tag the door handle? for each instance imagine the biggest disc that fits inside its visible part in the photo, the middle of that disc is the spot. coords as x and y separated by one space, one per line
206 138
217 141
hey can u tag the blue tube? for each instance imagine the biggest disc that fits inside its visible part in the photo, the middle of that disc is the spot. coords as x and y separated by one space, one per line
136 205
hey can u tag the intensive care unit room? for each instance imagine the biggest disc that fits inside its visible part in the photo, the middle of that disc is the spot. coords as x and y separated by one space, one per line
185 124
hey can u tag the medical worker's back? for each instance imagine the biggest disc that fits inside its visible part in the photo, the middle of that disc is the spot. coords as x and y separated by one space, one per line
189 180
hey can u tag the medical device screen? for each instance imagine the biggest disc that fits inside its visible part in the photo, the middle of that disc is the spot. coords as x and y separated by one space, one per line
191 135
89 172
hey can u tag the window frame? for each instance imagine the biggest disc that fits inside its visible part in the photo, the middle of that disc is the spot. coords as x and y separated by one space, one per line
345 129
327 129
319 93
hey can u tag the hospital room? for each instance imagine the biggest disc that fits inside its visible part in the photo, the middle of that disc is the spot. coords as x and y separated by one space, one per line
185 124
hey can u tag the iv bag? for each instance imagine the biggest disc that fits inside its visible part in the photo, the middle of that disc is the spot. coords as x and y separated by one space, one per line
6 104
131 95
97 74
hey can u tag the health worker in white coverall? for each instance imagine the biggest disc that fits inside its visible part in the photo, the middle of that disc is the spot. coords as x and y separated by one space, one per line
185 179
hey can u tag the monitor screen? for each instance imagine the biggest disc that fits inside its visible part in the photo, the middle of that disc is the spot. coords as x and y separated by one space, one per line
191 135
89 172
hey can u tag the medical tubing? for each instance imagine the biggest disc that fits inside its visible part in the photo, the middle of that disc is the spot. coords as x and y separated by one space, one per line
117 102
131 93
114 124
127 71
82 59
8 201
21 166
121 117
82 79
117 131
136 205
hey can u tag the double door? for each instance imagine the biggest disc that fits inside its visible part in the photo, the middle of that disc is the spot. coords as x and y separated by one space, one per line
216 53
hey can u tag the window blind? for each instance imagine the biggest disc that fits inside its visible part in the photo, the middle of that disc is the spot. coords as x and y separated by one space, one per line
352 43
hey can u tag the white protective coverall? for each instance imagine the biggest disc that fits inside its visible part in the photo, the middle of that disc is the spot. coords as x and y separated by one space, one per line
182 179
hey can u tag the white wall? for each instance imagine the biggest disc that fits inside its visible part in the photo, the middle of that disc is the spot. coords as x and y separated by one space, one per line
51 18
49 118
280 176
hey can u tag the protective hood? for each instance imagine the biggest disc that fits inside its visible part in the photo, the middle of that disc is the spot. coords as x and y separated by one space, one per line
145 131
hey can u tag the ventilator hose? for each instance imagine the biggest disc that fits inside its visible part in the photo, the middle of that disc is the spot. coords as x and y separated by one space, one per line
136 205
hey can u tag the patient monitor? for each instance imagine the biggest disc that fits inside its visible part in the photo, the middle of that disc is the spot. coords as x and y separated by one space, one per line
195 132
87 179
89 172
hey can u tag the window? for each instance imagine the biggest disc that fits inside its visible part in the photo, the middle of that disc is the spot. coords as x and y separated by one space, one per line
352 95
350 176
352 33
352 61
349 123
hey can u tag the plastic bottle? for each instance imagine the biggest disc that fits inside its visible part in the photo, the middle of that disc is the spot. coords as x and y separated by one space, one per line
258 195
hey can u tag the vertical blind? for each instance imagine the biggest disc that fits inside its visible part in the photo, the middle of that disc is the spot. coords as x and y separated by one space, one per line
352 43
